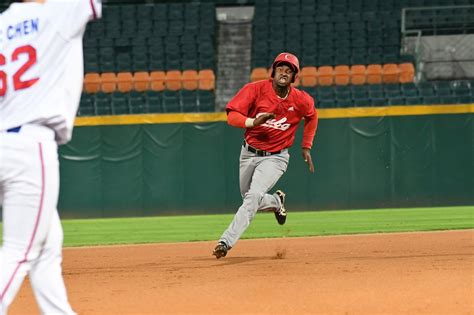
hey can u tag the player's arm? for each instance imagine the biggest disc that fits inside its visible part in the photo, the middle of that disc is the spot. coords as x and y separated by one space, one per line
310 126
71 16
238 120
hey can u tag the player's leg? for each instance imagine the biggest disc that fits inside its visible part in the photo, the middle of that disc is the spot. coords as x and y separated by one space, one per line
25 214
246 168
31 186
267 172
265 169
46 273
247 165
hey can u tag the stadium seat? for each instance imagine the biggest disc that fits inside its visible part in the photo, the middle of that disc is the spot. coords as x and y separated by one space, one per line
189 101
325 75
124 81
92 82
108 82
374 74
157 80
431 100
173 80
414 100
205 100
448 99
171 101
358 74
119 103
309 76
206 79
86 105
407 72
190 80
409 90
341 75
102 104
392 90
137 103
390 73
154 101
396 100
141 81
259 74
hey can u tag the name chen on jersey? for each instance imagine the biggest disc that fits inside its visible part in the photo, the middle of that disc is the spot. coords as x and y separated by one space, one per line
20 29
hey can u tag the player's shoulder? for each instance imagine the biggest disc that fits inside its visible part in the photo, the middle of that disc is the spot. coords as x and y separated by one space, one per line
302 95
257 85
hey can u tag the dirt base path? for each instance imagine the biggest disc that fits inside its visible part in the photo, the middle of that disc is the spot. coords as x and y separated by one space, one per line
406 273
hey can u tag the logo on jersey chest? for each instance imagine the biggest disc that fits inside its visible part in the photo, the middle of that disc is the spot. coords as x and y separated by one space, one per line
280 124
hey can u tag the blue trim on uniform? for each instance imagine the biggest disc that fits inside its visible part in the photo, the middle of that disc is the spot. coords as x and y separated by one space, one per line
15 129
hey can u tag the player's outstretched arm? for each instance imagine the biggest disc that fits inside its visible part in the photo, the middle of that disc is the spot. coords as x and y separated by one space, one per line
238 120
307 158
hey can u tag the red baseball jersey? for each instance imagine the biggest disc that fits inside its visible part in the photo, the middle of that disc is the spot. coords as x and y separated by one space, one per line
276 134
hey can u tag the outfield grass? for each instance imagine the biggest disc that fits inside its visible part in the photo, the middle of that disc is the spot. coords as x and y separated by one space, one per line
210 227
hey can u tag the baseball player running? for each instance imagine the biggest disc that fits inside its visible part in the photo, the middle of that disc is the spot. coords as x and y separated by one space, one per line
41 78
270 111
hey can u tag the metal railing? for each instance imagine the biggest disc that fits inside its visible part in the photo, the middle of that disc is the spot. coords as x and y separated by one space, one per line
432 21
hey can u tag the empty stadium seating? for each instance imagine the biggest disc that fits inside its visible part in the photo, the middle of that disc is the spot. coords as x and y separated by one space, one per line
438 92
149 37
161 57
149 101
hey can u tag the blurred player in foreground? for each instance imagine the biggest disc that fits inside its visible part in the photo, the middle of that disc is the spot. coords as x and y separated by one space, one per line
270 111
41 78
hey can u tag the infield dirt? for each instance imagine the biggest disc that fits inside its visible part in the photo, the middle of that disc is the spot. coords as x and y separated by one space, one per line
400 273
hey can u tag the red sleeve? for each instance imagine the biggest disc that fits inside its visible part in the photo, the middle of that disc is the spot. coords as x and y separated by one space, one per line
243 100
310 124
236 119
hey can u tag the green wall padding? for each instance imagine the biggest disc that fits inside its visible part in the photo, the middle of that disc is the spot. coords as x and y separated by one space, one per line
136 170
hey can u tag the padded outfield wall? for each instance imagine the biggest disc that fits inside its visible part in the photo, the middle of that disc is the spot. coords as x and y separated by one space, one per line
138 165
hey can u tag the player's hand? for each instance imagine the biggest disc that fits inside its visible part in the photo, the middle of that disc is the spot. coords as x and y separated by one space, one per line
263 118
308 160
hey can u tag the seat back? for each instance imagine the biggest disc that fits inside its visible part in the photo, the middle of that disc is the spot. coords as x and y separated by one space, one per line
259 74
108 82
124 81
407 72
92 82
141 81
157 80
190 80
173 80
325 75
309 76
374 74
358 74
390 73
342 75
206 79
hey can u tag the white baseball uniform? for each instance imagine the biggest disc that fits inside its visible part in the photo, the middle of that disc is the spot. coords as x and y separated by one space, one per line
41 77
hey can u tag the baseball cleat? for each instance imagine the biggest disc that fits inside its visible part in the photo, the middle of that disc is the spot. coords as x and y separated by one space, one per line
220 250
280 214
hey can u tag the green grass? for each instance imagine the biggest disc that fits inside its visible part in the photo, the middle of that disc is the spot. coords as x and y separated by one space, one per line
210 227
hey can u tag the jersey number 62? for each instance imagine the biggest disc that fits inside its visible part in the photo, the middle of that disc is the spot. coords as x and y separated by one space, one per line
18 84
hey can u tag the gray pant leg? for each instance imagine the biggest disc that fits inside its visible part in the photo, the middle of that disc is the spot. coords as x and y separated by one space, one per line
248 163
259 174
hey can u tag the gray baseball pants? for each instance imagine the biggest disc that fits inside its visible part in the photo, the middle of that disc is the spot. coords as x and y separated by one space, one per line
257 176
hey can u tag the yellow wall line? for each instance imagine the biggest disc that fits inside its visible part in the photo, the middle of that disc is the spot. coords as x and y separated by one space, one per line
328 113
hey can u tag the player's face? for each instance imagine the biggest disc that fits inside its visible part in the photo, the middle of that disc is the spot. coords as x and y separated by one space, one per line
283 75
